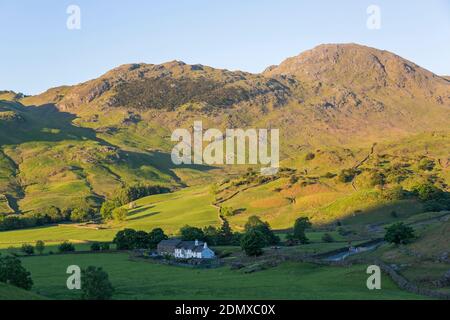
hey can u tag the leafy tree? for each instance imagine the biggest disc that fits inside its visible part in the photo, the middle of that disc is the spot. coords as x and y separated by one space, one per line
427 191
211 235
82 214
256 223
106 211
189 233
95 246
120 214
28 249
40 246
141 240
125 239
104 246
300 226
399 233
66 246
12 272
252 242
156 236
225 234
95 284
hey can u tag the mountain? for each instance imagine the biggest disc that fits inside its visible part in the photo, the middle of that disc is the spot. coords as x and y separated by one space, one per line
86 141
333 94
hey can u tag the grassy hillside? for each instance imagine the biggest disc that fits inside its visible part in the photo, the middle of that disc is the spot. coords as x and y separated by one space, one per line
8 292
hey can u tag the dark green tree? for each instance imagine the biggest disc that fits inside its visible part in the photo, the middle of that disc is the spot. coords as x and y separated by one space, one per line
256 223
28 249
300 226
125 239
399 233
40 246
95 284
12 272
66 246
189 233
156 236
252 242
225 234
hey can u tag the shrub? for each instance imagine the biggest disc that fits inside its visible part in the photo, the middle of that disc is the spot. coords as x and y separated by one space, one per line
309 156
327 238
347 175
40 246
66 246
27 249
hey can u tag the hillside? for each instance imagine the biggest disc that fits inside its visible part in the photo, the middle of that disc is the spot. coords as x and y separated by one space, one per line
77 145
8 292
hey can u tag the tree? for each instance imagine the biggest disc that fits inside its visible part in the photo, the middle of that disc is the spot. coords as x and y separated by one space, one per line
82 214
95 246
107 209
40 246
125 239
427 191
211 235
12 272
252 242
95 284
399 233
300 226
104 246
189 233
156 236
141 240
66 246
225 234
120 214
256 223
28 249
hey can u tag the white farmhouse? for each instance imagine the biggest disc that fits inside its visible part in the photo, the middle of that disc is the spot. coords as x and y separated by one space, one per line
185 249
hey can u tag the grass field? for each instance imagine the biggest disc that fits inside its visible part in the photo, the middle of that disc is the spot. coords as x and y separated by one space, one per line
8 292
144 280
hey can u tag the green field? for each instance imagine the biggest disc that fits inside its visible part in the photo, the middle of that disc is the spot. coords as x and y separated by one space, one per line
8 292
144 280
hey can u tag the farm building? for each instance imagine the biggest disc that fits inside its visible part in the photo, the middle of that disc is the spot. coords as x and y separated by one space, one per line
185 249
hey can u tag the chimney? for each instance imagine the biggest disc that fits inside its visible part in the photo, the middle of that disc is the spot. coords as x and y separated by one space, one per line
205 246
196 242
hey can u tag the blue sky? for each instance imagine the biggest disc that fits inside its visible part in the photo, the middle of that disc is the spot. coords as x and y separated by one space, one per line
38 51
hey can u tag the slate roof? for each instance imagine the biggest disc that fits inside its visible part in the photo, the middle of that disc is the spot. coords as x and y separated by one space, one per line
173 244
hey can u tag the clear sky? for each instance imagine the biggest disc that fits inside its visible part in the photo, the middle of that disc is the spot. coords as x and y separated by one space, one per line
38 51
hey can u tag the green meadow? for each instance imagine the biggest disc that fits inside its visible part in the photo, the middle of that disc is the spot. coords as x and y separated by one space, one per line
146 280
